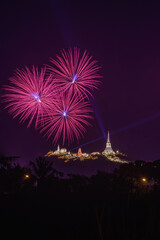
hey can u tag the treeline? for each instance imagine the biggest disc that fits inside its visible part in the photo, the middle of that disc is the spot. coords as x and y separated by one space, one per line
120 205
137 177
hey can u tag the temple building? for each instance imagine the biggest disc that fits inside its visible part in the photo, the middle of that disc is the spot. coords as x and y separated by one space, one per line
79 152
57 151
60 151
108 149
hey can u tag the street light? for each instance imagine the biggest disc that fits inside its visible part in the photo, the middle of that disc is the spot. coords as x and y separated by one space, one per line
26 176
144 180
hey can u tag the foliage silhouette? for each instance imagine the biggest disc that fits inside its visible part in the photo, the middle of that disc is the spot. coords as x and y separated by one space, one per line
103 206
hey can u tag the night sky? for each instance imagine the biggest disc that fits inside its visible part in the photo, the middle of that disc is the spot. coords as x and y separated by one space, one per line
124 39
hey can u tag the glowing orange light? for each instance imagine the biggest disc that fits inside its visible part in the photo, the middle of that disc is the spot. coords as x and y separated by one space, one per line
26 175
144 179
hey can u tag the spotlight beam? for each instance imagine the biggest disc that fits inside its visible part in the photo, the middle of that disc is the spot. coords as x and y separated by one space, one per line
125 128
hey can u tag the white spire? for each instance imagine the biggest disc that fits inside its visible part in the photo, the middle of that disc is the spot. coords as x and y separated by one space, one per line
108 149
108 138
58 148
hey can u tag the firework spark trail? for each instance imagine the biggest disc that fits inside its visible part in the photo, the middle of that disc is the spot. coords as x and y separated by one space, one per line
30 95
67 119
75 74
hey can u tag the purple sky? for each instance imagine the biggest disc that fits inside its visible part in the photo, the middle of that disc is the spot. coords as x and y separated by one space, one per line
125 39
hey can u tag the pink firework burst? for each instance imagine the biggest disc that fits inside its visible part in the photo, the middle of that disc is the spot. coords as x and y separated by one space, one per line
75 73
68 119
30 95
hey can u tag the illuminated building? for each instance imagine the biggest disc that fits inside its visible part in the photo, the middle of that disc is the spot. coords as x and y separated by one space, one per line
63 150
108 149
95 153
57 151
85 155
60 151
79 152
108 154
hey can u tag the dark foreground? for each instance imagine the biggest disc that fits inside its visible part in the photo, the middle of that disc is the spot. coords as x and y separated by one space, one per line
118 205
117 217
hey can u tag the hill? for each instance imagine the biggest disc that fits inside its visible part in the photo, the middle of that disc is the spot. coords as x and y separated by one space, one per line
87 167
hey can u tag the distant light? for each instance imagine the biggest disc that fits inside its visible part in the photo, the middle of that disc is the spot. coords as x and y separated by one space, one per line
74 78
36 96
26 176
144 179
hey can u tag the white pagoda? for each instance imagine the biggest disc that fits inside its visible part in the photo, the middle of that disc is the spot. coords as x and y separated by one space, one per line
108 149
60 151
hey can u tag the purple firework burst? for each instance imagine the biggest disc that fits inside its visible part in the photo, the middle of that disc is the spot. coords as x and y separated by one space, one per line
68 118
30 95
75 73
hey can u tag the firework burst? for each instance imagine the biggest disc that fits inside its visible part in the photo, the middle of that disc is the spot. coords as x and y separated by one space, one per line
67 119
30 95
75 74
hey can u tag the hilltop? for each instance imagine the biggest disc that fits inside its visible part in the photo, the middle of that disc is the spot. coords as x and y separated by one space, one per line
86 164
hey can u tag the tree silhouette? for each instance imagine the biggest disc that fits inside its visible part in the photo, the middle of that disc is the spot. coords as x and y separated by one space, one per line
6 162
42 170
